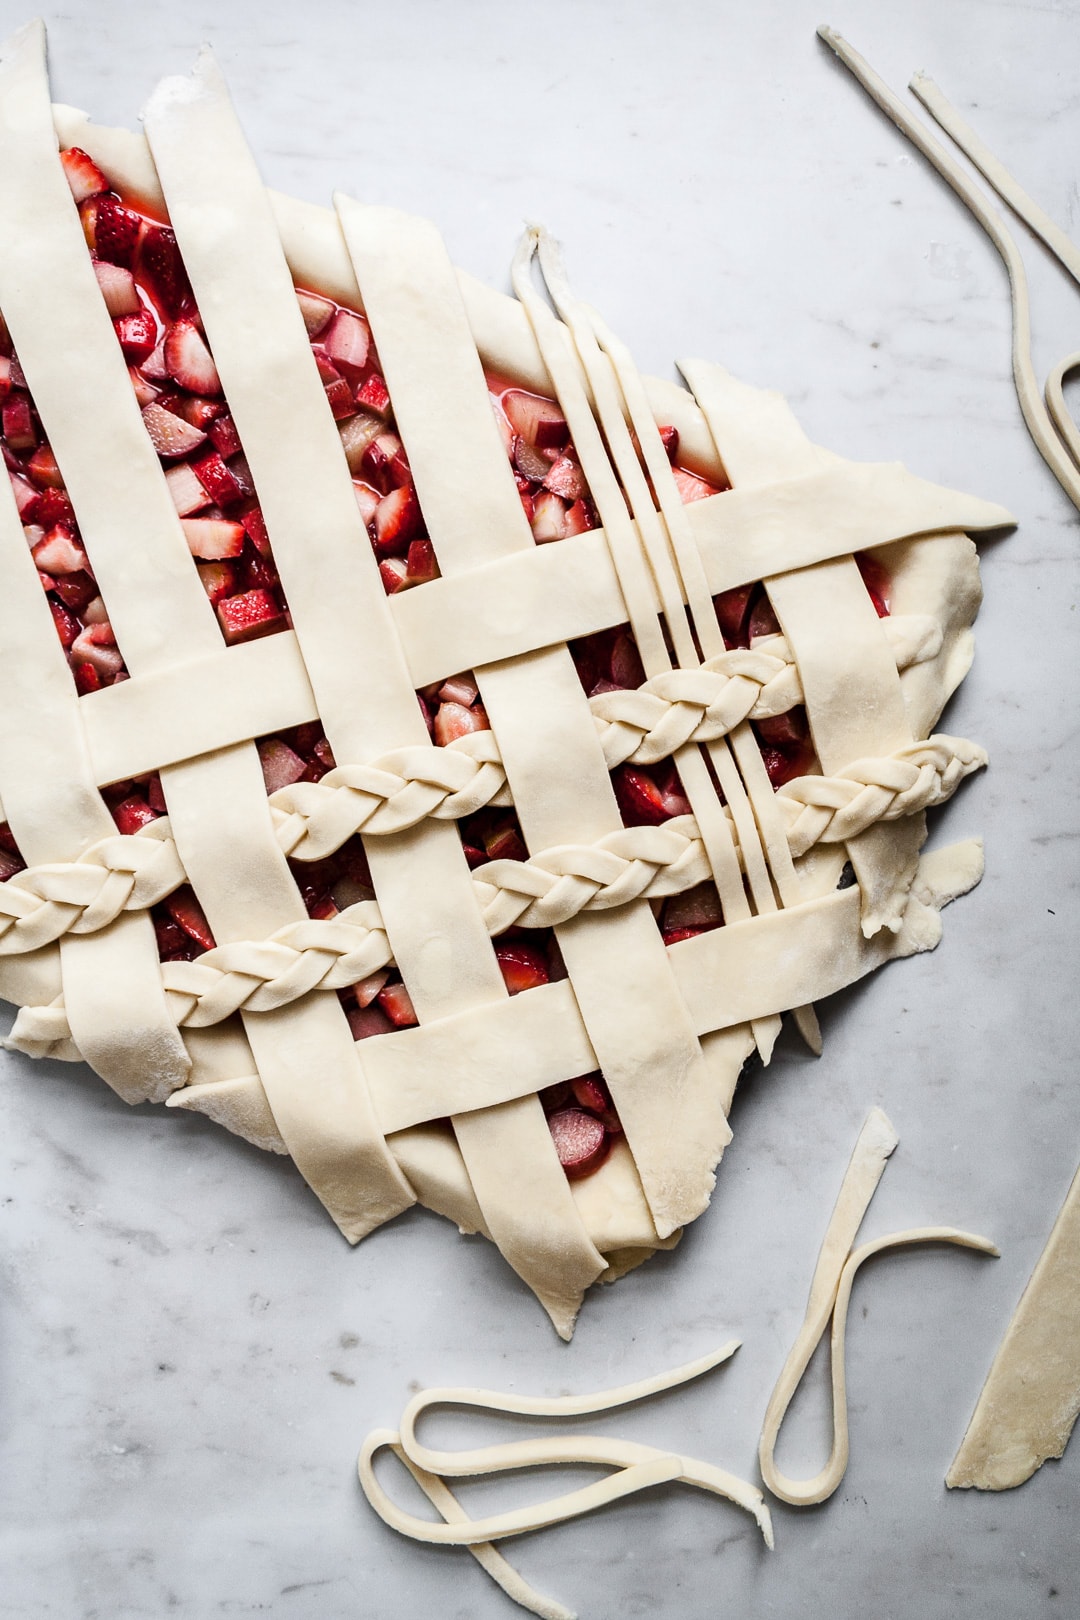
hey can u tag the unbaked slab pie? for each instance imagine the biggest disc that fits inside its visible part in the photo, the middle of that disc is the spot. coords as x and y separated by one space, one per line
429 748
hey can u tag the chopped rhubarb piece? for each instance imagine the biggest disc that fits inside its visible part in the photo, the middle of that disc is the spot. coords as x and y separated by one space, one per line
539 421
357 432
145 392
367 1021
154 365
549 518
43 469
638 797
184 487
172 942
184 909
368 988
25 494
694 908
690 487
591 1093
670 789
348 340
9 865
731 614
218 481
16 375
196 410
163 268
522 967
58 553
138 336
398 520
219 579
422 566
95 612
328 372
117 288
226 440
530 462
784 730
83 175
385 462
116 231
246 617
876 580
394 572
528 506
133 813
258 572
213 538
255 525
96 646
672 936
459 689
566 478
396 1003
373 395
189 361
455 720
5 375
669 438
505 844
339 396
155 796
67 625
18 423
280 766
580 1141
241 474
170 435
315 310
49 507
763 621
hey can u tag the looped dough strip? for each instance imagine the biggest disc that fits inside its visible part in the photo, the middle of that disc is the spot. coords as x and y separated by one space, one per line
636 1468
830 1294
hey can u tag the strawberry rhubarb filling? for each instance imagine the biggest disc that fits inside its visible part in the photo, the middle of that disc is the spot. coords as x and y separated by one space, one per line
148 296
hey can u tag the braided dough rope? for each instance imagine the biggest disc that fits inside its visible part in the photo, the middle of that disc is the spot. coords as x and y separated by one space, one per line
830 1295
637 1467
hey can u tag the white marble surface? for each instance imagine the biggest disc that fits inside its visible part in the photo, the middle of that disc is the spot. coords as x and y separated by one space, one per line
189 1355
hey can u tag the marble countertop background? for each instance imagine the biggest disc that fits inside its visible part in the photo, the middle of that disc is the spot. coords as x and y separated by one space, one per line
190 1356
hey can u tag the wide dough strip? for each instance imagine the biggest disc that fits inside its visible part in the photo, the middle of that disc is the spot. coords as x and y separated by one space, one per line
245 293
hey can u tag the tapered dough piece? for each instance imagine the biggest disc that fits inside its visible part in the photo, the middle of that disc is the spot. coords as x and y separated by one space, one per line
1031 1397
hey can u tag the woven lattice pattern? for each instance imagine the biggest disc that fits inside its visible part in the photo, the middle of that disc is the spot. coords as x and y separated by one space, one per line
258 1030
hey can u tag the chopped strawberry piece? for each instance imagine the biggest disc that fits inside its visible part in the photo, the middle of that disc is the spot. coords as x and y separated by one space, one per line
459 689
219 580
18 423
549 518
591 1093
669 438
246 617
373 395
385 461
189 361
155 795
138 335
455 720
76 591
87 678
328 372
580 518
184 909
218 481
163 268
170 435
194 408
528 506
368 988
396 1003
784 730
116 231
83 175
670 789
690 487
522 967
117 288
43 469
763 621
315 310
672 936
367 1021
339 397
626 666
58 554
67 625
5 375
580 1141
154 365
422 566
539 421
49 507
9 865
255 524
876 580
398 520
25 494
394 572
731 614
226 440
184 487
566 478
280 766
96 645
348 339
639 799
145 392
213 538
133 813
259 573
172 942
475 857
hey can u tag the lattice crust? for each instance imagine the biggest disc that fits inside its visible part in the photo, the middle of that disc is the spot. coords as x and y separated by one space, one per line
252 1032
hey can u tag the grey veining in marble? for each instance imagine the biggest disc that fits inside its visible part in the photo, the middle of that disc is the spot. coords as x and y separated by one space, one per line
189 1354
